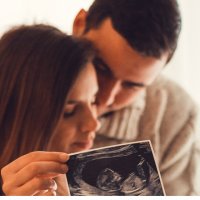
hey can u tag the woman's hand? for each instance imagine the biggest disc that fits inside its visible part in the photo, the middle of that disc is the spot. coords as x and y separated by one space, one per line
34 173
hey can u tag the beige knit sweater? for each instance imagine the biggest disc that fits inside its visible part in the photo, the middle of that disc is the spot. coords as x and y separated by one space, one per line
167 116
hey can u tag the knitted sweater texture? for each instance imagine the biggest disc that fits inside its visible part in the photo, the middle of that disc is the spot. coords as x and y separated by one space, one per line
166 115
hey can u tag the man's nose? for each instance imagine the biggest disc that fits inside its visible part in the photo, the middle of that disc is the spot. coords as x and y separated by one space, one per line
108 93
89 122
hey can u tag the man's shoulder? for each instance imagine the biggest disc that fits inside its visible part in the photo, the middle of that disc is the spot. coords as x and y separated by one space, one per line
169 107
175 94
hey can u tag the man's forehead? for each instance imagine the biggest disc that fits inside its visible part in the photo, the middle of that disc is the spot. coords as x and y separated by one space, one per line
125 62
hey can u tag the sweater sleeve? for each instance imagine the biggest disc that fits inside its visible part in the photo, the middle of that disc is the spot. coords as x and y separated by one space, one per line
180 162
179 144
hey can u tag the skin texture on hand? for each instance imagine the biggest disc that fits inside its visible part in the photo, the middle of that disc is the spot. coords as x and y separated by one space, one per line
34 174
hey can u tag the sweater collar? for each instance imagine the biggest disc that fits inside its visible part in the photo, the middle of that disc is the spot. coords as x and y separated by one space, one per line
123 124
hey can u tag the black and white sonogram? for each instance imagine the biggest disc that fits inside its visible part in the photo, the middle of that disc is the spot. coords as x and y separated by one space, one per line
122 170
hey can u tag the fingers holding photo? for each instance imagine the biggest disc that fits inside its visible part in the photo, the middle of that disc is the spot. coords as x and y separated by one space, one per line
36 174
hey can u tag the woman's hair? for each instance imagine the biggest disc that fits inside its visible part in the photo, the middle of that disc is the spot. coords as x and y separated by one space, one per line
38 65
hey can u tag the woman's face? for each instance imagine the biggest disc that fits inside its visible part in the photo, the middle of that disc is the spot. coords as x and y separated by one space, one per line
76 129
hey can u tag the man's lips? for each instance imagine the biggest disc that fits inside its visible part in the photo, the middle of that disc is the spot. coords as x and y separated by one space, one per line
101 110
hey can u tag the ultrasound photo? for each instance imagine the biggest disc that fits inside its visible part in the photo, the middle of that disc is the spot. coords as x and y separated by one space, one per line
122 170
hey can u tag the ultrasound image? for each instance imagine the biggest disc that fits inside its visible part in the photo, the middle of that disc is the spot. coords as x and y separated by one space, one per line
125 170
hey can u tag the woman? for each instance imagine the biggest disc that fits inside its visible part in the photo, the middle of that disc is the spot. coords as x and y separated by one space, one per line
47 107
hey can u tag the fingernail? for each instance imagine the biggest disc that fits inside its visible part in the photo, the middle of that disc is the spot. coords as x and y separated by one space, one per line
53 185
64 157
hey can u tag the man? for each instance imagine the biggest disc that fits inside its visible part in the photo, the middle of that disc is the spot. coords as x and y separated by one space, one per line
135 39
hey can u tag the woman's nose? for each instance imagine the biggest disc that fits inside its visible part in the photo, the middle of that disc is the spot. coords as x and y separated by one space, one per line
89 122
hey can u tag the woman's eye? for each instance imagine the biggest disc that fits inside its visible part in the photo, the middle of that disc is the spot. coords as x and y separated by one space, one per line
69 111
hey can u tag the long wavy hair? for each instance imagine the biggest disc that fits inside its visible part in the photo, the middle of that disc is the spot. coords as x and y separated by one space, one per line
38 66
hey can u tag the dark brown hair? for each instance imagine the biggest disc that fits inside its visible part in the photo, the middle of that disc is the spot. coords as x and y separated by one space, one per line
38 65
151 27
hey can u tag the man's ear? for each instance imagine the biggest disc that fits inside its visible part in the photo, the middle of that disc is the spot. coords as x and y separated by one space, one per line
79 23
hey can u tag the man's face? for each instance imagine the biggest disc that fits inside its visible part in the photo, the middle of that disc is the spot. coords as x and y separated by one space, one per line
122 72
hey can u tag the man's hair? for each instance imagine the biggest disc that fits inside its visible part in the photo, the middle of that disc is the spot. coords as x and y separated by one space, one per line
151 27
38 66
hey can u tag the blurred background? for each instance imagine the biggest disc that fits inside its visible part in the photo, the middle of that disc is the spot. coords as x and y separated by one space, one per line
184 67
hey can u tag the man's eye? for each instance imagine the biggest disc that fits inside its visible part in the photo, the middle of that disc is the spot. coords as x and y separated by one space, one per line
100 67
94 102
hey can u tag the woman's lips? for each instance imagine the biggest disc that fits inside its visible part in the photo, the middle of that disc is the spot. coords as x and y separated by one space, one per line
83 145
